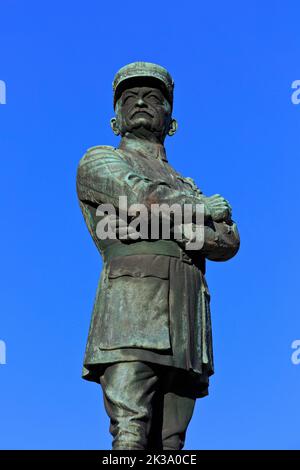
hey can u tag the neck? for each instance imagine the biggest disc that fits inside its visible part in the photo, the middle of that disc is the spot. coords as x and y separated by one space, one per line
149 146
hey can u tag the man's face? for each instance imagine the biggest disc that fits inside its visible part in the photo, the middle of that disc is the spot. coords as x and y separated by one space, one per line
143 110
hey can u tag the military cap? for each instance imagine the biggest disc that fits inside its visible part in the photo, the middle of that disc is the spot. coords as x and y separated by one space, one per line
137 70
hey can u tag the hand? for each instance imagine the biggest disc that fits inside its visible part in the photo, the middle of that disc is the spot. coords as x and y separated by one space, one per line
218 208
190 236
120 228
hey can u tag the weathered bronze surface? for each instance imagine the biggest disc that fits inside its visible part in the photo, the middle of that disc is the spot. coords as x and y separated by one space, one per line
149 343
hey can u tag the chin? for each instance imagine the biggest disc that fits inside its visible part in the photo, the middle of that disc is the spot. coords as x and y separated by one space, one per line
141 122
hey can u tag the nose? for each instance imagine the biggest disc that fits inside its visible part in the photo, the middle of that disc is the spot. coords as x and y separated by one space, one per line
140 103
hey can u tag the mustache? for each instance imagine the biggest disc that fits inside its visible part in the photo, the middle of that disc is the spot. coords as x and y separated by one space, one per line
139 110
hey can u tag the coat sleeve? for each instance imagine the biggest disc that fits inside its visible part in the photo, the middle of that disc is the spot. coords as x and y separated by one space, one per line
221 241
103 175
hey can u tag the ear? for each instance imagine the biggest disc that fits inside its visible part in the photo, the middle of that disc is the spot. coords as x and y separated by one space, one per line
114 126
173 127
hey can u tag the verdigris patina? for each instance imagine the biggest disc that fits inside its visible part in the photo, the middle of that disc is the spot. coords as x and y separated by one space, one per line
149 344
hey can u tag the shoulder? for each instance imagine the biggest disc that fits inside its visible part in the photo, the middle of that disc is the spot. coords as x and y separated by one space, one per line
93 154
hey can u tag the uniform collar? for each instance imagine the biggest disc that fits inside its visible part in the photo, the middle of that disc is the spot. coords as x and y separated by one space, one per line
145 147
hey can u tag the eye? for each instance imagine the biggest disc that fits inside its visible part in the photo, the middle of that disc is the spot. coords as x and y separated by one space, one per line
153 99
129 99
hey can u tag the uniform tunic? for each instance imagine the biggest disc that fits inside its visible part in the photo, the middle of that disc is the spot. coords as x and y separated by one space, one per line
149 306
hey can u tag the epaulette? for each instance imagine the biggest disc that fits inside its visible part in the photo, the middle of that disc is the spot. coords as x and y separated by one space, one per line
95 152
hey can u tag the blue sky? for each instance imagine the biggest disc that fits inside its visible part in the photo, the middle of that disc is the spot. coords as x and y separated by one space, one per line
233 64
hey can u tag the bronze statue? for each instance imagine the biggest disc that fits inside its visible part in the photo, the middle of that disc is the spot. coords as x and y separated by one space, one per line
149 344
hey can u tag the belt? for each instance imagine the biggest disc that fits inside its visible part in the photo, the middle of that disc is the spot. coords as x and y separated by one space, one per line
159 247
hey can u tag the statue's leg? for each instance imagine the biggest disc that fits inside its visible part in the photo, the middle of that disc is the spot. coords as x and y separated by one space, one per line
178 412
179 403
155 435
128 391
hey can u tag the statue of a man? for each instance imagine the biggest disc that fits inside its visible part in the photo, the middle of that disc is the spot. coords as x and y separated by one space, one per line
149 344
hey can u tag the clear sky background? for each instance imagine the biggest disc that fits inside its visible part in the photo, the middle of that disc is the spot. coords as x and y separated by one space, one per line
233 64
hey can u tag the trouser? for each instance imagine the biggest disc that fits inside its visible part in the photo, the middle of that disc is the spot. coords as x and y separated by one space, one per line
149 405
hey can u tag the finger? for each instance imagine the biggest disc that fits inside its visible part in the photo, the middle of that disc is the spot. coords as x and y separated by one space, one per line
122 223
125 230
221 214
220 200
217 196
129 236
220 207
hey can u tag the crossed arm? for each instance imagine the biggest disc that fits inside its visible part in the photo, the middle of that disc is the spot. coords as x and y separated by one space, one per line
103 176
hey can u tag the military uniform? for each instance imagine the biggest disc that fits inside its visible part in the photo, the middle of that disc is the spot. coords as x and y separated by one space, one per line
152 302
170 323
